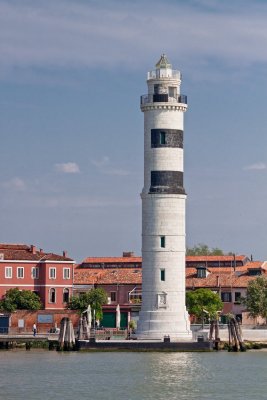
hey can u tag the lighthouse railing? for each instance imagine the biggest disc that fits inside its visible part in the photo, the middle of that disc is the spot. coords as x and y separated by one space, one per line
163 98
170 73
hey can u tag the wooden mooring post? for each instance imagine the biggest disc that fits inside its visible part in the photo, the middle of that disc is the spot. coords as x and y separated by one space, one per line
214 331
236 342
66 340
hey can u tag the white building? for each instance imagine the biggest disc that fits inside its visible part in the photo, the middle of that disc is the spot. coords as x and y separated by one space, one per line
163 208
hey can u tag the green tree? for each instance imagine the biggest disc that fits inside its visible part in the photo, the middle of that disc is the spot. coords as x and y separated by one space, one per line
95 297
202 301
16 299
203 250
256 299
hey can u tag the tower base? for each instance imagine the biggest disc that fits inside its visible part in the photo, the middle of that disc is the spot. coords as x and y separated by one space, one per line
159 324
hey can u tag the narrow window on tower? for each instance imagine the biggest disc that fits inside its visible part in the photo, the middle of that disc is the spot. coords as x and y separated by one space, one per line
156 89
162 241
162 275
162 137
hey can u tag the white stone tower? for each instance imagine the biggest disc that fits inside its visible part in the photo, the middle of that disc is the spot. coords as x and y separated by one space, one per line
163 309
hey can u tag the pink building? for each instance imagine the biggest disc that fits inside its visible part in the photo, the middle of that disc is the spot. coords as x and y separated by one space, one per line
28 268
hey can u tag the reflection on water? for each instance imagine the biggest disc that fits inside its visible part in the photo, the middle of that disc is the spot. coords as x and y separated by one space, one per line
42 375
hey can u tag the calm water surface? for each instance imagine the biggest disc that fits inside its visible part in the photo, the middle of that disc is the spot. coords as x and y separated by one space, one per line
38 375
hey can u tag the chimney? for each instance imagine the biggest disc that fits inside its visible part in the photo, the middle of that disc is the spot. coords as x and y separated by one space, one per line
65 253
41 251
218 280
128 254
251 257
33 249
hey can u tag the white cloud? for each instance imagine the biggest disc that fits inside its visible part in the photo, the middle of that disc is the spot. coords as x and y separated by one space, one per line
102 162
256 166
15 184
68 168
77 34
104 166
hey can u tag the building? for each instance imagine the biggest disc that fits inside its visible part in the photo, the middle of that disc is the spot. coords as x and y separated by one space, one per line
227 278
163 310
28 268
217 261
121 277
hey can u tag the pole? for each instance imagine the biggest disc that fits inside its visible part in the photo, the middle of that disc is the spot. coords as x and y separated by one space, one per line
94 322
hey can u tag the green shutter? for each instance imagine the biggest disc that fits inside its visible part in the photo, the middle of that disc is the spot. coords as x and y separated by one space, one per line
124 320
109 320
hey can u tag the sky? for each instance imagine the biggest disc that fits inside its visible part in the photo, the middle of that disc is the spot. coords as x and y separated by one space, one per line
71 129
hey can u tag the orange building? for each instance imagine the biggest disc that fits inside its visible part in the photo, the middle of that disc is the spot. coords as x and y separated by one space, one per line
121 277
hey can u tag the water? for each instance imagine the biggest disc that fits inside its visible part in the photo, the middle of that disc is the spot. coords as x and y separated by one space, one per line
38 375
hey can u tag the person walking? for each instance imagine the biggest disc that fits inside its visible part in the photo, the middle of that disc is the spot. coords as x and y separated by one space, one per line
34 329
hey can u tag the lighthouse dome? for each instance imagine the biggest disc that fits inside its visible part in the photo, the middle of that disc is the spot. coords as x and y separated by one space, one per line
163 62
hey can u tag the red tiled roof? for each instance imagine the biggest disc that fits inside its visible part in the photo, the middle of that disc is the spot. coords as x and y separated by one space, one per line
221 270
254 264
133 259
13 246
215 258
86 276
111 260
218 271
127 275
23 252
134 276
108 276
226 281
89 273
190 272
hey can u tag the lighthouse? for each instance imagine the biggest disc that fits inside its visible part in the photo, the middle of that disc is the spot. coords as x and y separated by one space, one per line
163 311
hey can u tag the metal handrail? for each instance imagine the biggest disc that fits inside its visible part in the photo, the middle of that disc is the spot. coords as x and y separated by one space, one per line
163 98
156 74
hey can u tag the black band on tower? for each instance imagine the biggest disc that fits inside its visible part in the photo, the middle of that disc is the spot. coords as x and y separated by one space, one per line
170 182
166 138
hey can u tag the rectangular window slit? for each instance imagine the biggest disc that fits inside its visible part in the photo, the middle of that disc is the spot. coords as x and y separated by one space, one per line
162 275
162 137
113 296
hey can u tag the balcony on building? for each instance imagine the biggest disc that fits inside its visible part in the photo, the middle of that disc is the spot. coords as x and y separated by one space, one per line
135 296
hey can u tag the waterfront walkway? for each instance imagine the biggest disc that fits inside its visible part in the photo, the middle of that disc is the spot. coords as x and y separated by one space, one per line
11 340
250 335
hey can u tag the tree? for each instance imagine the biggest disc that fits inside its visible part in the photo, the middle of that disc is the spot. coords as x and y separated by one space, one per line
95 297
202 301
256 299
203 250
16 299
